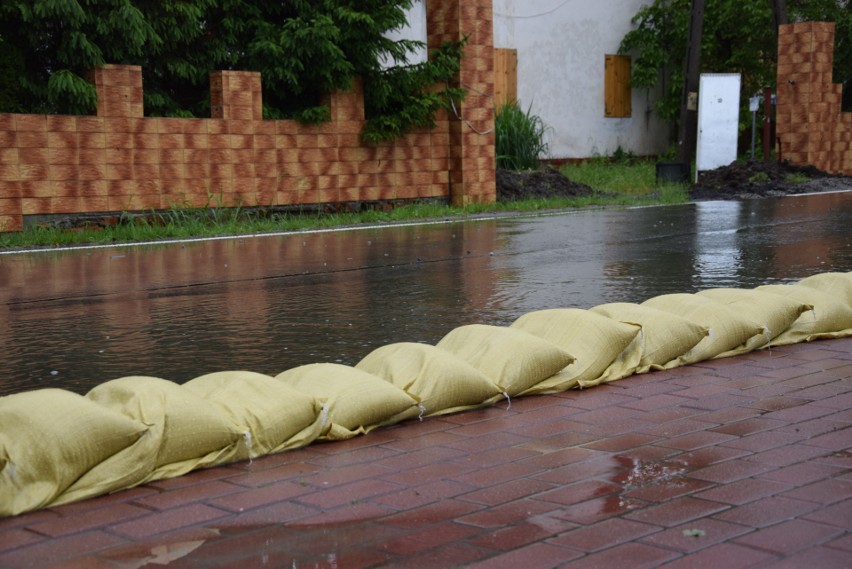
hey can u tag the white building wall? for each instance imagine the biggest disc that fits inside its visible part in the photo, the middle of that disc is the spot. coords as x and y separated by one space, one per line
561 46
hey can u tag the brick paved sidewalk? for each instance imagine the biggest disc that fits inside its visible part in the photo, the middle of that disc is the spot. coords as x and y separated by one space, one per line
742 462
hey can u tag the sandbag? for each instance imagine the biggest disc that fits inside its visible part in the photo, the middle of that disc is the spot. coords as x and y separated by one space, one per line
729 332
49 438
664 335
442 382
774 314
837 285
275 416
356 401
598 343
513 359
186 432
830 317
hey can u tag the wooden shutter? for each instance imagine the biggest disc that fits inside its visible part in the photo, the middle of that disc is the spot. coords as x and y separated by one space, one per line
617 86
505 76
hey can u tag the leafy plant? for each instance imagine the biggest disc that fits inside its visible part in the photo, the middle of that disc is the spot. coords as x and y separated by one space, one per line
304 49
519 137
738 37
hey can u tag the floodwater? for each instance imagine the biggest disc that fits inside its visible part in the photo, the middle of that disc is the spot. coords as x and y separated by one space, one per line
76 318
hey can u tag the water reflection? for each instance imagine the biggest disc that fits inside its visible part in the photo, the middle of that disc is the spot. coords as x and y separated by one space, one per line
74 319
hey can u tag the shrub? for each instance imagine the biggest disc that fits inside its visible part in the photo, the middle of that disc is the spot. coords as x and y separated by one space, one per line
519 137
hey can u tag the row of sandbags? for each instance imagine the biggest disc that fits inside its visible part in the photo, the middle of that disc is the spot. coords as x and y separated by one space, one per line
57 446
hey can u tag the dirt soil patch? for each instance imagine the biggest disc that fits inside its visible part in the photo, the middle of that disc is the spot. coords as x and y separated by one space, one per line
757 179
547 183
739 181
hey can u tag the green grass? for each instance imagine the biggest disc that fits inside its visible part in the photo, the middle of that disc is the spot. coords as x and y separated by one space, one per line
630 178
620 184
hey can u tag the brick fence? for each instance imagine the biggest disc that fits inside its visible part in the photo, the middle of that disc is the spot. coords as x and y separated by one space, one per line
811 128
119 160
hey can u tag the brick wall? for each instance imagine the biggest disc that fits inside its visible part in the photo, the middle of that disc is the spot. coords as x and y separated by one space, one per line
118 160
811 129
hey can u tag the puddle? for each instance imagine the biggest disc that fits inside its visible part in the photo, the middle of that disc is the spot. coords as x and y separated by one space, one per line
329 546
74 319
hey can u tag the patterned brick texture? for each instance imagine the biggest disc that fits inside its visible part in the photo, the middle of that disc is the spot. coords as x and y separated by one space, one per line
119 160
811 128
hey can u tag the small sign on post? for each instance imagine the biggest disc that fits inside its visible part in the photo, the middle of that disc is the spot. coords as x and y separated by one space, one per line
753 106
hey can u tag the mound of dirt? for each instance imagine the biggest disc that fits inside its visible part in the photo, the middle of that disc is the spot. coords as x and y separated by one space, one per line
547 183
738 181
757 179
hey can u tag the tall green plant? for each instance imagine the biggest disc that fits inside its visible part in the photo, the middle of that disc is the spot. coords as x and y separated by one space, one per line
519 137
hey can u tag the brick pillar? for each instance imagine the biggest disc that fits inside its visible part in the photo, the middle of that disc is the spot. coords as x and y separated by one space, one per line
119 90
472 157
808 104
236 95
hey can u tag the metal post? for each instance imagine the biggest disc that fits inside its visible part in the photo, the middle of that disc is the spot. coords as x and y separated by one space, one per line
692 73
767 119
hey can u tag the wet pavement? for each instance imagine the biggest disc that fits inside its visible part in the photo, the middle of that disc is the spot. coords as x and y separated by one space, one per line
74 319
739 462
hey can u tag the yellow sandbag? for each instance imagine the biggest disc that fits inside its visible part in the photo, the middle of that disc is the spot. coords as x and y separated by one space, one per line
598 343
664 335
48 439
356 401
838 285
188 431
830 317
275 416
513 359
773 313
441 382
729 331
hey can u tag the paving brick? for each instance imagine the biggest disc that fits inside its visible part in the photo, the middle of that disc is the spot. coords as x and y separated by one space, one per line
696 535
53 551
840 439
515 512
765 441
348 493
430 537
822 557
743 491
731 470
170 520
579 492
747 427
766 511
638 555
622 442
787 455
608 533
187 494
90 519
677 511
822 492
507 492
539 555
837 514
696 440
512 537
15 538
725 555
790 537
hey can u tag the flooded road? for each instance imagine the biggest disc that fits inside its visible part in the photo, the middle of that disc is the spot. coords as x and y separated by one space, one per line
76 318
